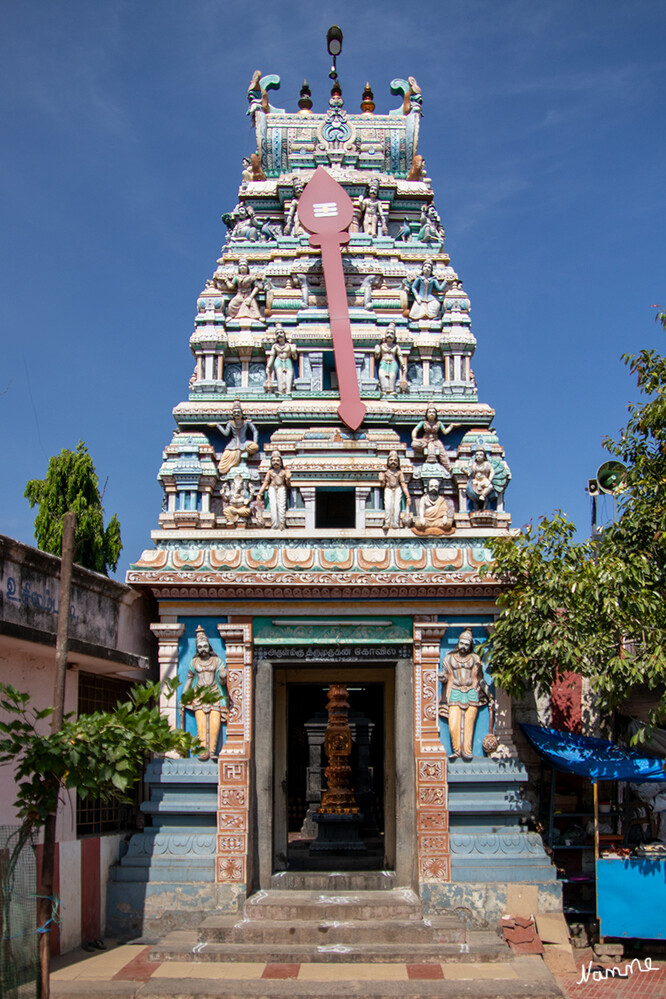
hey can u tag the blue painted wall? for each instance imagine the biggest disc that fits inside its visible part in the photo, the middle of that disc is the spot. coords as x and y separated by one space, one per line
187 648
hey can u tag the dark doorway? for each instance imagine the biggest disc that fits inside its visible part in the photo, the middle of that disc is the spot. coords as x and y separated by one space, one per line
306 761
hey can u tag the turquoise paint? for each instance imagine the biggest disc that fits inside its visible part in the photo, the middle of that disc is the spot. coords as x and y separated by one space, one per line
187 649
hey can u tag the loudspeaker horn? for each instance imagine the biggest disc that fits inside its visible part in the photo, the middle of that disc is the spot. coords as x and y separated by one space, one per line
611 477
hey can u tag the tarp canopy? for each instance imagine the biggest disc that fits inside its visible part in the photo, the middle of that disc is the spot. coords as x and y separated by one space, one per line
597 759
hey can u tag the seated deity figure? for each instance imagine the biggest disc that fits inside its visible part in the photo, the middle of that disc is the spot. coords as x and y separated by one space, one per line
280 363
240 430
237 499
464 691
207 675
429 445
276 483
392 480
374 213
292 223
245 287
480 486
391 363
435 512
426 288
431 229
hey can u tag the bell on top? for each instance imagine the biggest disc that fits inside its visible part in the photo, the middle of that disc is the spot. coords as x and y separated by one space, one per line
367 101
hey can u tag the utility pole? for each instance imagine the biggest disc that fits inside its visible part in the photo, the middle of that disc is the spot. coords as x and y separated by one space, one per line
48 854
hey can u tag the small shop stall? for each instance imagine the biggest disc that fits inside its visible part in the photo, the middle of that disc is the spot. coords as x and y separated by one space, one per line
630 883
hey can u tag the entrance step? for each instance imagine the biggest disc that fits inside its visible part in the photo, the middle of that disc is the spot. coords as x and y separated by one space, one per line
334 881
443 929
183 946
396 903
307 927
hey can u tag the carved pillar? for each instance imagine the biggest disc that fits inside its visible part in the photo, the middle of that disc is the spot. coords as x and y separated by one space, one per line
432 817
308 494
362 493
168 636
234 759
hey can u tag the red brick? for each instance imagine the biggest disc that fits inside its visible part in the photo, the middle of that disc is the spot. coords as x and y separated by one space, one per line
281 971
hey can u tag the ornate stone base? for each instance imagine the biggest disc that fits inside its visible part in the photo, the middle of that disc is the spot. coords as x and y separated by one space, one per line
338 834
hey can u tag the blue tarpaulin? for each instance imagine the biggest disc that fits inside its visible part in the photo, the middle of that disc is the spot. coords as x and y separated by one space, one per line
597 759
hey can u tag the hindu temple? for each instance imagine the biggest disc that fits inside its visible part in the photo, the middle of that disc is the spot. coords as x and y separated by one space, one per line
331 484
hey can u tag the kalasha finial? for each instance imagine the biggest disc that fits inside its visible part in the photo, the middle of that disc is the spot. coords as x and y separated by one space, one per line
367 101
305 100
336 91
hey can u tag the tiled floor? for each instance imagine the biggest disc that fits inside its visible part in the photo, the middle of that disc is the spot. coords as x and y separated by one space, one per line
130 963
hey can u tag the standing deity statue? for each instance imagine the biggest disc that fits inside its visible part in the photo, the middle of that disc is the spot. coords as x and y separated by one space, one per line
426 288
280 362
464 691
391 363
292 223
207 675
276 483
240 430
392 480
373 211
429 445
237 502
435 512
245 287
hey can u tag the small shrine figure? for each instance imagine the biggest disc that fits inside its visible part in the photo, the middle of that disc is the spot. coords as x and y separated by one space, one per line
391 363
276 483
280 362
435 512
431 229
374 213
464 691
392 480
237 499
244 439
480 486
429 445
292 223
246 287
369 282
425 289
207 675
246 173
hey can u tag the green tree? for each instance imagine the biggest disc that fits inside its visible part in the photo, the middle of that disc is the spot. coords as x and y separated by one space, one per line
595 607
71 484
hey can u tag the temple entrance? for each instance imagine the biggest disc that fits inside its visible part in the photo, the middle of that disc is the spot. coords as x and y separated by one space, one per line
300 759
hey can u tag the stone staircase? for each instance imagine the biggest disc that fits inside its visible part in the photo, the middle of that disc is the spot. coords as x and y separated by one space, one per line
322 921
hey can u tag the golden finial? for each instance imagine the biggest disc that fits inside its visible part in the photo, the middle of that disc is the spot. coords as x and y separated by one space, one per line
367 102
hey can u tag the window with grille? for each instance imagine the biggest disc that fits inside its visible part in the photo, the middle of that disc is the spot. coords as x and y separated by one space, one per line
101 693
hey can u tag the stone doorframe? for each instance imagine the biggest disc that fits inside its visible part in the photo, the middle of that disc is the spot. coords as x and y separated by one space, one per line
266 776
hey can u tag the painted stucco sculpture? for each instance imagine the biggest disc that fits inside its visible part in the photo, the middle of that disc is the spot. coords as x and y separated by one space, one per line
207 676
463 693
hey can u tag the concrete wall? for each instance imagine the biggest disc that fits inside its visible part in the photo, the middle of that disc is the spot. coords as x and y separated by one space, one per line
109 636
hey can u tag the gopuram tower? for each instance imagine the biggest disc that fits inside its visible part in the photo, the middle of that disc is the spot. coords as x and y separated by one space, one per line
328 492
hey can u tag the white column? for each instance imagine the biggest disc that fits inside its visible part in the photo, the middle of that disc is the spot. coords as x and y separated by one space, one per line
168 636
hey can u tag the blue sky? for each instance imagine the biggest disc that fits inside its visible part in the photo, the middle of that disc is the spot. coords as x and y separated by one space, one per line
123 128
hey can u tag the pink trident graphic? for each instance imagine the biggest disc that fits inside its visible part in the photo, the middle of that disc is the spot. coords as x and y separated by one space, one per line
325 210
